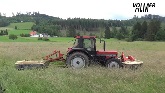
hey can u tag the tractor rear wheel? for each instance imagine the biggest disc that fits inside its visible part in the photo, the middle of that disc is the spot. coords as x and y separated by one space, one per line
77 60
113 63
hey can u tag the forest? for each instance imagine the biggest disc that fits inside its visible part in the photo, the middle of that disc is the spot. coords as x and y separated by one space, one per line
145 28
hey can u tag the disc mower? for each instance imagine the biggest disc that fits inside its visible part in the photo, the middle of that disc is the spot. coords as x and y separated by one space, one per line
83 53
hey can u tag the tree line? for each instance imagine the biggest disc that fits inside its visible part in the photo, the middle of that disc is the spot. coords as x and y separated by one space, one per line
149 31
146 27
140 31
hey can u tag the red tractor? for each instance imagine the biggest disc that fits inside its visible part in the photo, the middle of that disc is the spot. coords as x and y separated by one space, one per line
82 54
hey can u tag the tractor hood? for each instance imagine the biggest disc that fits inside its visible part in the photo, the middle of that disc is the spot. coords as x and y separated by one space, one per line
102 52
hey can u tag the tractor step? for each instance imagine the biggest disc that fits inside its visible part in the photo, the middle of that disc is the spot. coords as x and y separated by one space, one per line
29 64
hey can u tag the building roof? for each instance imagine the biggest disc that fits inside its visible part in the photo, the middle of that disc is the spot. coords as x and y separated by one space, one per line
33 33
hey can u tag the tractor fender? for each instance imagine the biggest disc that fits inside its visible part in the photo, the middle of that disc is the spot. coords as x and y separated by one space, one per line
78 50
108 58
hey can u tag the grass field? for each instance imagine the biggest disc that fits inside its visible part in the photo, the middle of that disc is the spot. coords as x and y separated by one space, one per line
22 25
95 79
18 32
35 39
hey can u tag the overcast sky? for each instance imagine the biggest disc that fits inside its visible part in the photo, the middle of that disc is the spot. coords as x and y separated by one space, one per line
97 9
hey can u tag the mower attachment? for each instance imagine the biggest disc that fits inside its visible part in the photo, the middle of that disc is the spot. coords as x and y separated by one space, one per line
29 64
130 62
20 65
58 56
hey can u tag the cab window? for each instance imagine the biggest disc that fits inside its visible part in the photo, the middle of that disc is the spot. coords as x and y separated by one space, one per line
87 43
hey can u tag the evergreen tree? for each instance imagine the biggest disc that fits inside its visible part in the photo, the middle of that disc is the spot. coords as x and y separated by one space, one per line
101 32
1 33
160 35
153 28
120 34
150 33
15 27
71 31
91 34
114 32
124 31
78 34
107 32
136 31
143 30
6 32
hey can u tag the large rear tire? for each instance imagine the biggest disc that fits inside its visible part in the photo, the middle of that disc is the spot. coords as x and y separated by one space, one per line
77 60
113 63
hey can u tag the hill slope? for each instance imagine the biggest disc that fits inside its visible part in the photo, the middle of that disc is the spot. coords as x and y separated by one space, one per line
21 25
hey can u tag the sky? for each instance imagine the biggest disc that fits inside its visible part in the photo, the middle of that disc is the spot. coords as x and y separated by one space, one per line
95 9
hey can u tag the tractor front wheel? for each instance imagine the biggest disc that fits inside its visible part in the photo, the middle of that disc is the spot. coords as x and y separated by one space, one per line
113 63
77 60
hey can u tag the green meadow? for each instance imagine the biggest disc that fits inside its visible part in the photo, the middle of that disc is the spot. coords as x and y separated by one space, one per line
149 78
22 25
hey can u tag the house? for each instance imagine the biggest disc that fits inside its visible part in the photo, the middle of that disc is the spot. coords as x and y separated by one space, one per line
32 33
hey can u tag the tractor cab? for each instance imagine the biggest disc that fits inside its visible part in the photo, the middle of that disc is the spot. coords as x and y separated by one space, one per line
89 44
86 42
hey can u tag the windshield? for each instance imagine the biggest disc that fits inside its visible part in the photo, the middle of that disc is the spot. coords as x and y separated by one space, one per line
87 43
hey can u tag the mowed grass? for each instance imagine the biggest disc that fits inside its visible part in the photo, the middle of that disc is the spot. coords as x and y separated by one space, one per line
19 39
22 25
95 79
4 28
35 39
18 32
